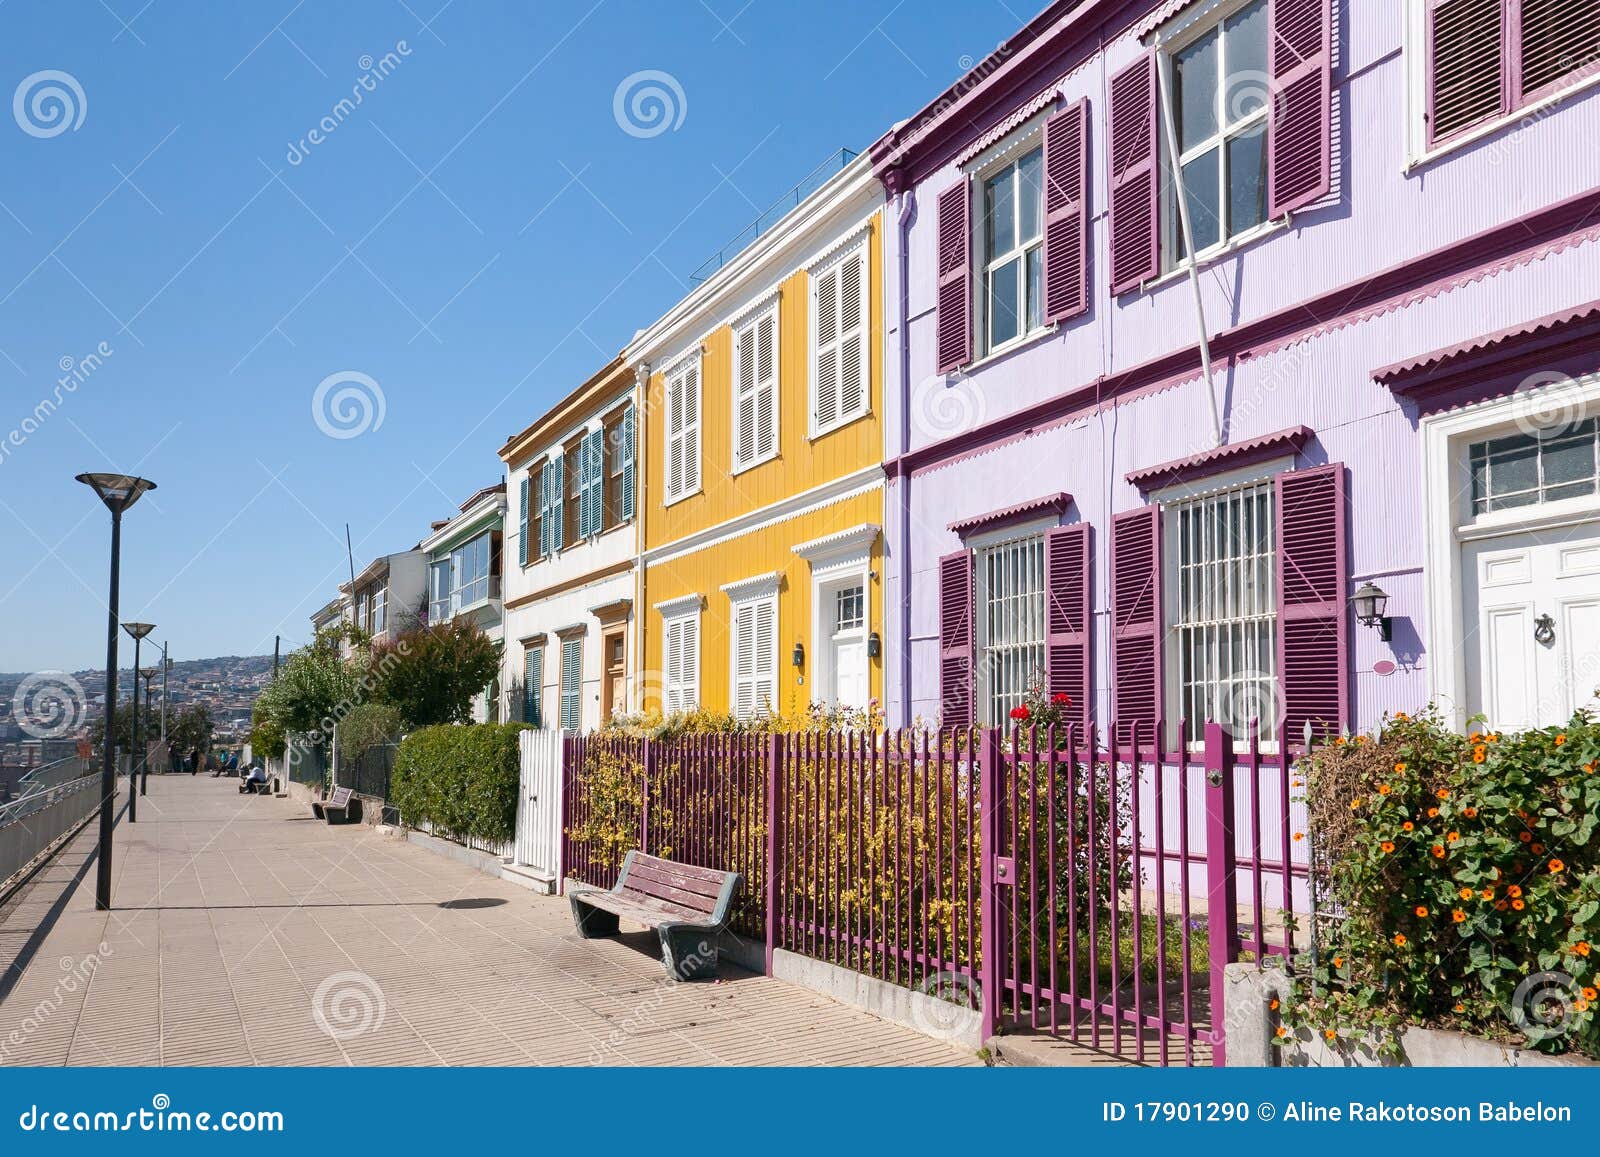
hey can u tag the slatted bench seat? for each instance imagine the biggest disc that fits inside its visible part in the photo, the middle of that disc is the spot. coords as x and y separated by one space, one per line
687 906
341 804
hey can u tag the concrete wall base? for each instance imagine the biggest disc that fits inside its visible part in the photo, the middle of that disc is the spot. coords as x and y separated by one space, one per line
926 1014
1249 1023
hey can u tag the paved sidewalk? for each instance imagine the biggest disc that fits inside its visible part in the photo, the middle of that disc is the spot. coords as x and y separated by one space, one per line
245 933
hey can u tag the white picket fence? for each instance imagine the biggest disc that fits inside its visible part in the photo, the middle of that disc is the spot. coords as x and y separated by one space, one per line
538 844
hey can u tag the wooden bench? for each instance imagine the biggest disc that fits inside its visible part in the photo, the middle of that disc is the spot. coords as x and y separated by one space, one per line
686 905
341 803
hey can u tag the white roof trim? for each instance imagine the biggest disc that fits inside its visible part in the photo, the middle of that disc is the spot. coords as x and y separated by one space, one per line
683 604
839 249
768 300
754 587
840 544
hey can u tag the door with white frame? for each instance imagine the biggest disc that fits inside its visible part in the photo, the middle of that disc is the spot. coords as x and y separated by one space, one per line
1528 534
844 625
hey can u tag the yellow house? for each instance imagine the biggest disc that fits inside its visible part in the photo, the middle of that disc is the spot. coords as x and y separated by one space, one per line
761 478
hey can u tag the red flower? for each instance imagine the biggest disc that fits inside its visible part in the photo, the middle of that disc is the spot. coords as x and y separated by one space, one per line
1061 699
1020 714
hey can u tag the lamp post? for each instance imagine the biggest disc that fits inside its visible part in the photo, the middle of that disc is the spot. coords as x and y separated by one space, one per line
137 632
149 674
118 492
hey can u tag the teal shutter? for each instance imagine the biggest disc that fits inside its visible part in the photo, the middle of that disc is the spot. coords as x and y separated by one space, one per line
592 477
554 495
532 685
522 534
625 500
571 684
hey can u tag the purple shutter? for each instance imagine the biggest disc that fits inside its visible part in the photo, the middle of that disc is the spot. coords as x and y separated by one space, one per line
1068 670
1466 54
1551 43
954 309
1136 617
1300 120
955 639
1313 617
1066 233
1134 249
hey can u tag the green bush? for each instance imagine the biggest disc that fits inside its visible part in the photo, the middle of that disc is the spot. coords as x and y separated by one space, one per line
461 779
1466 869
366 726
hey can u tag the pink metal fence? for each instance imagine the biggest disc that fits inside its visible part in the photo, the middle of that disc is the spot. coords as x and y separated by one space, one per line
1087 886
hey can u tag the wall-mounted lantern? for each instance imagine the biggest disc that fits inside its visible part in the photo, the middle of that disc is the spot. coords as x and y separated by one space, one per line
874 645
799 656
1370 602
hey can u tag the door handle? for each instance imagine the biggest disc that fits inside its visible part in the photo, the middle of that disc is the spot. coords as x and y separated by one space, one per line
1544 630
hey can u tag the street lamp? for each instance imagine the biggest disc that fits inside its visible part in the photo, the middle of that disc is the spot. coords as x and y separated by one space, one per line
118 492
149 674
136 631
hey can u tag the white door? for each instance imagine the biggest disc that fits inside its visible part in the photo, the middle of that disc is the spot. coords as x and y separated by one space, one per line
1532 625
848 647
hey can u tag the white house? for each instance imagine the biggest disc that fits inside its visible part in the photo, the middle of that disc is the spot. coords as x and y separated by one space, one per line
464 573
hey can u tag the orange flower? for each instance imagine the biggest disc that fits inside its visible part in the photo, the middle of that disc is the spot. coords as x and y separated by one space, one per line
1453 837
1591 767
1524 836
1400 767
1339 742
1401 715
1479 754
1458 916
1433 813
1581 1005
1384 789
1282 1032
1537 849
1329 1033
1298 836
1560 739
1355 804
1475 737
1514 891
1583 947
1556 866
1438 851
1407 826
1589 994
1442 793
1487 893
1273 1004
1422 913
1387 846
1465 893
1338 961
1460 1007
1399 939
1519 905
1494 737
1500 905
1470 812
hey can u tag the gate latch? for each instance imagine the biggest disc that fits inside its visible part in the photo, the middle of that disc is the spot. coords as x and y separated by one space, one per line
1005 870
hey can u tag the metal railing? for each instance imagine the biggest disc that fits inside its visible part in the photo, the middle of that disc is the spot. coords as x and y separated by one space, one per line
835 163
30 824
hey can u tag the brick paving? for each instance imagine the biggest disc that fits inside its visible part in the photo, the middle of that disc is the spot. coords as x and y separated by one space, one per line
244 932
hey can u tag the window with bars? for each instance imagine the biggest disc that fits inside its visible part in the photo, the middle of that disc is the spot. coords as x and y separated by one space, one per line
839 358
755 657
680 658
1011 622
1222 566
682 464
572 684
1219 113
1488 58
1013 250
755 390
1530 469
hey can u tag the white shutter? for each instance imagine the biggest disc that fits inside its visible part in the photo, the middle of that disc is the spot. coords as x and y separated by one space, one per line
852 342
767 384
672 663
744 389
825 379
744 661
755 390
691 434
675 436
765 689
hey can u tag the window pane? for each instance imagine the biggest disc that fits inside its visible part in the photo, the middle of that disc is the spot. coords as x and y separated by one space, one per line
1569 459
1246 51
1194 84
1030 194
1035 259
1003 303
1201 178
1247 180
999 215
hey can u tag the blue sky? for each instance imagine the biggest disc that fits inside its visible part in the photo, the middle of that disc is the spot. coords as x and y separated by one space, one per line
477 237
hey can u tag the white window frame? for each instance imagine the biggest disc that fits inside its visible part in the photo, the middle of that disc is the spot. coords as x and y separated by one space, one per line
1416 57
1171 500
676 378
983 547
1448 523
753 598
1174 39
680 687
816 348
751 324
1024 146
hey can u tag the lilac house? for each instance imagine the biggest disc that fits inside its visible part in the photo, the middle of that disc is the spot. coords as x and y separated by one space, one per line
1204 317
